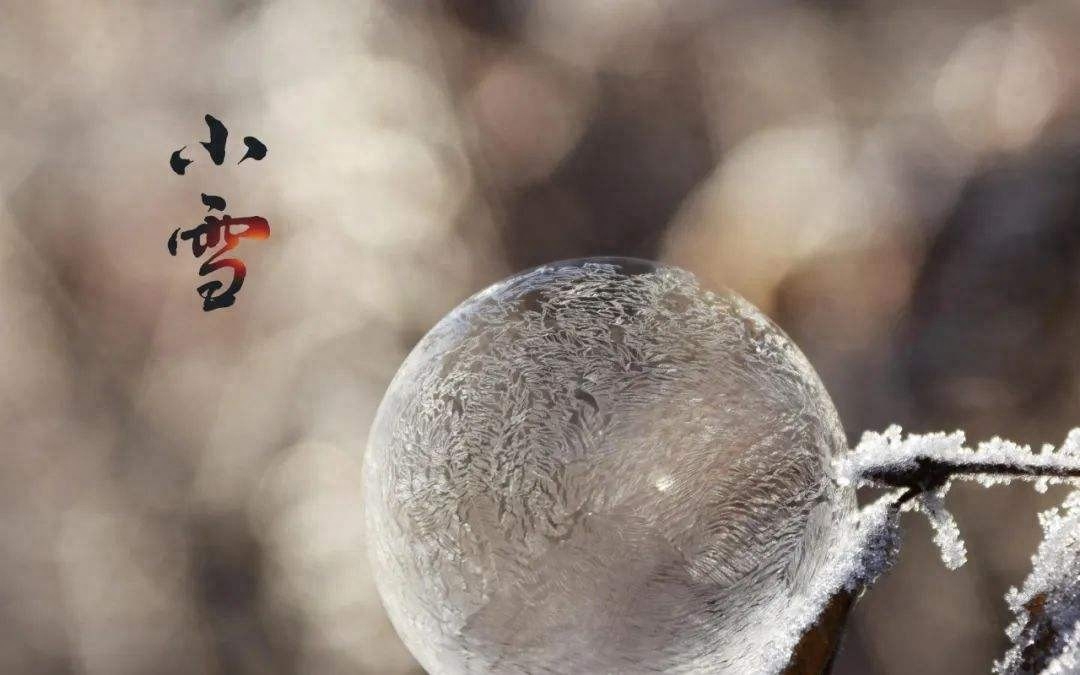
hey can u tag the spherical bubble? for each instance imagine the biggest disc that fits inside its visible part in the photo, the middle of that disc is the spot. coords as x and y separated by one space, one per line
599 466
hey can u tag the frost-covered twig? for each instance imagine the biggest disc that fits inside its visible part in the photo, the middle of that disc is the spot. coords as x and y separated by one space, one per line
946 533
919 470
924 466
928 461
854 562
1046 633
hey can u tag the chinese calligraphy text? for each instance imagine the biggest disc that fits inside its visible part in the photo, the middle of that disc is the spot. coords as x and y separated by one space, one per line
225 231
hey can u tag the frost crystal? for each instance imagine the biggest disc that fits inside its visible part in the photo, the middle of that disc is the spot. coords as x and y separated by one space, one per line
1046 633
881 458
946 533
865 548
1068 661
926 465
599 466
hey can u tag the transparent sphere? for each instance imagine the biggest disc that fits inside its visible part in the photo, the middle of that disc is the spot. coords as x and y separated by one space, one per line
598 466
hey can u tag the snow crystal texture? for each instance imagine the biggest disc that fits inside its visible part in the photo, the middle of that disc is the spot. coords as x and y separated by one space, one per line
1046 633
598 466
886 459
993 462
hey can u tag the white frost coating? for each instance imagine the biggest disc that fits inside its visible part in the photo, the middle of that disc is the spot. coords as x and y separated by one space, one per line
878 541
1068 661
888 450
599 466
878 450
1047 607
865 548
946 533
989 463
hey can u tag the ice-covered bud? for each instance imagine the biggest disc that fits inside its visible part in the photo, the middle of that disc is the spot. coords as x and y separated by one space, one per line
600 466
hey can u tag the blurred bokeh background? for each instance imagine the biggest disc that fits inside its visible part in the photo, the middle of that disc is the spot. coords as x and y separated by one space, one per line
895 182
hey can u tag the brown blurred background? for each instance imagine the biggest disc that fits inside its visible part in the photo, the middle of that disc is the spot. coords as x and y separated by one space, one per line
895 182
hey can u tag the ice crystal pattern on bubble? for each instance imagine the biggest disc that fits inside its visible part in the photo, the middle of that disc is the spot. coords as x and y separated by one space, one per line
598 466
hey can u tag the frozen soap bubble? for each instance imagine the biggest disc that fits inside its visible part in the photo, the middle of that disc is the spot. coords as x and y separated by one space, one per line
598 466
